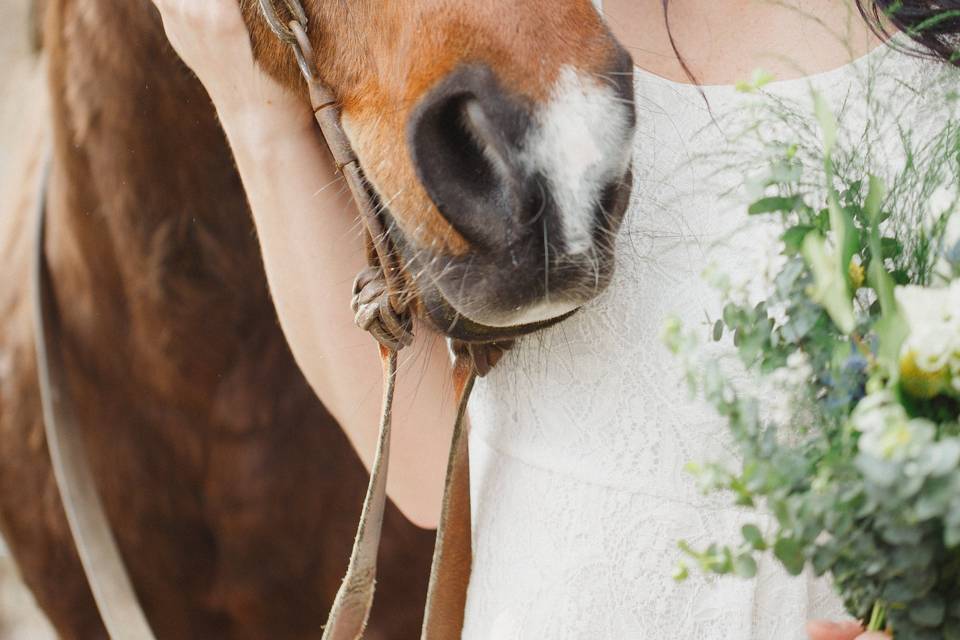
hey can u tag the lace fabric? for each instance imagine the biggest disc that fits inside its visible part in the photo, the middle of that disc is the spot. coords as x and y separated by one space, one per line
580 437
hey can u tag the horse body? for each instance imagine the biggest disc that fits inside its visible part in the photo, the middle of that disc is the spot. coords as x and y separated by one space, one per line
503 154
232 492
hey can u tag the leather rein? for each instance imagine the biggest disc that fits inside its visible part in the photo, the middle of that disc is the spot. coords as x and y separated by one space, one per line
380 308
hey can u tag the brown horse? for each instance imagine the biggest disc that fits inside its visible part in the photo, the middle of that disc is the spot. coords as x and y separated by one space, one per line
232 492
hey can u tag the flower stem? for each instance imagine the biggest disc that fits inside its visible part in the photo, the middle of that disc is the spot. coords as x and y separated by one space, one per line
878 617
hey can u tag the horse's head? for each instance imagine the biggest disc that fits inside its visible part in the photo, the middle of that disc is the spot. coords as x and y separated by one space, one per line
496 134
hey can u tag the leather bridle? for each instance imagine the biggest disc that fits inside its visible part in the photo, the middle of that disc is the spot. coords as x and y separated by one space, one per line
383 310
380 307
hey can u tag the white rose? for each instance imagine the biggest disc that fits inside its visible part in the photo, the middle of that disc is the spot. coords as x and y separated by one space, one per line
933 320
929 307
931 348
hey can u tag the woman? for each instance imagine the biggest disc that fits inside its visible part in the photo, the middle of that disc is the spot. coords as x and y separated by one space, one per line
579 493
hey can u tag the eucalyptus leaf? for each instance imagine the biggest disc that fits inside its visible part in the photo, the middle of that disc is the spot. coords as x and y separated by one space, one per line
790 553
745 566
752 534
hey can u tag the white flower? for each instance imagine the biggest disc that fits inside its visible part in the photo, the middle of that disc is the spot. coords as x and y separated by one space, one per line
877 411
794 374
926 306
931 349
887 432
933 342
799 361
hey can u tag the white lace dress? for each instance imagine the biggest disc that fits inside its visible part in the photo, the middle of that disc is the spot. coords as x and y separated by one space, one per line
580 437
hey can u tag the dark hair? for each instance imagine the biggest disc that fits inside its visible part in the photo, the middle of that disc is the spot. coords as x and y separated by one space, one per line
934 25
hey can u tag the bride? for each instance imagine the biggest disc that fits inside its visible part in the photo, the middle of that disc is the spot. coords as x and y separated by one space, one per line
579 438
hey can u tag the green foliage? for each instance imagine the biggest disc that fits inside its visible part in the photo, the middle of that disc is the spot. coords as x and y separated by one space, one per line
861 477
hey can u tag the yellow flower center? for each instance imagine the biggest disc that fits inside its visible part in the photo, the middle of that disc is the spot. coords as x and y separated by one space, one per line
857 274
919 383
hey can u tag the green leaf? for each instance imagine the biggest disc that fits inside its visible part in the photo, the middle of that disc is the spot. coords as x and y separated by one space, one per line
879 279
732 314
773 204
831 270
847 238
875 195
752 534
790 553
831 289
718 330
793 237
823 559
892 330
745 566
890 248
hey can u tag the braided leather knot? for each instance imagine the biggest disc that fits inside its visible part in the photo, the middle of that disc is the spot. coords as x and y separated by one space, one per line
374 312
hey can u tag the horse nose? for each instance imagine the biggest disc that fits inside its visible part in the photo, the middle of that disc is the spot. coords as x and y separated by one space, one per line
495 163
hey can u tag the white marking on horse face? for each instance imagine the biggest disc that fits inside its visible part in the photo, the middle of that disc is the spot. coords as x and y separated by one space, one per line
581 142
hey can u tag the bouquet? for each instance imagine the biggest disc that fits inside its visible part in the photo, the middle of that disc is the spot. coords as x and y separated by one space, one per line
858 462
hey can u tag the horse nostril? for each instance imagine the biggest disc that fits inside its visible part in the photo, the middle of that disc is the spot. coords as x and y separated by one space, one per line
463 136
459 145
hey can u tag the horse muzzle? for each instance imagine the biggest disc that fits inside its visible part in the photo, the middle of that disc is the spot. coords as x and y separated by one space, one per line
537 189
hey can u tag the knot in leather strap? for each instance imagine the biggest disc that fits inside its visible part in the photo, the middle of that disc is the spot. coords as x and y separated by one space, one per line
374 310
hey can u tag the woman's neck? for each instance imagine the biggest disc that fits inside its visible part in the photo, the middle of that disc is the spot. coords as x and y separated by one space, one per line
725 41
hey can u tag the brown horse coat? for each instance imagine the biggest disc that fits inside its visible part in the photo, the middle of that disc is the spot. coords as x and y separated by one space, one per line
232 491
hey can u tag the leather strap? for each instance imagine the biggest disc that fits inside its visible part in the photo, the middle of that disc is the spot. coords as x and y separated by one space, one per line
453 553
450 572
112 590
351 608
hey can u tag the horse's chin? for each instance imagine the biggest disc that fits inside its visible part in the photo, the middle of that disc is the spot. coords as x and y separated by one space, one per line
449 321
479 324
